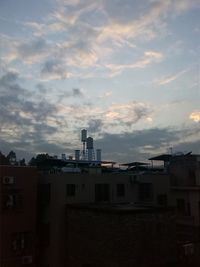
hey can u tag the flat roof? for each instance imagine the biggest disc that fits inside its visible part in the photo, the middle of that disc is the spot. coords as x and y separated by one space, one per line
163 157
135 163
62 162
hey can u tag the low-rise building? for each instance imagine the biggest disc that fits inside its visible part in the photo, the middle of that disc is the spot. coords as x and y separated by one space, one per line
56 190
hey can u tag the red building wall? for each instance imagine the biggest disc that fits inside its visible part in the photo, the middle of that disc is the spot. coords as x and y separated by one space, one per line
18 190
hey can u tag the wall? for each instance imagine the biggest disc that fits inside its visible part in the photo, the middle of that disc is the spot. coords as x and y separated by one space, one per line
18 219
129 238
54 212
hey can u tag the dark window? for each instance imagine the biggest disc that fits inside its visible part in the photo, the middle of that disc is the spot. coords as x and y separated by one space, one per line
120 190
102 192
192 177
44 194
12 201
162 200
71 190
21 241
188 209
83 186
44 234
181 208
146 192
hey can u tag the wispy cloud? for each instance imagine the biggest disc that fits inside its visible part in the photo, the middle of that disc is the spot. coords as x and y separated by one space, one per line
88 43
148 58
171 78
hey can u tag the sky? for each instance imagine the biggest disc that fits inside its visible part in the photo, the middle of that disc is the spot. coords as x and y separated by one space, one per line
127 71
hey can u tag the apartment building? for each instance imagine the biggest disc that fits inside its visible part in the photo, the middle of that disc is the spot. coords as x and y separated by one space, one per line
152 186
56 190
185 193
18 190
184 172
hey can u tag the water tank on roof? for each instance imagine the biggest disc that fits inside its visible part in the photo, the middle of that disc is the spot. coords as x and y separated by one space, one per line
89 143
84 135
77 154
63 156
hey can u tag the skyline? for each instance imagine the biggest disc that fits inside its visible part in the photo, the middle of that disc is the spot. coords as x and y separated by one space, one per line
127 72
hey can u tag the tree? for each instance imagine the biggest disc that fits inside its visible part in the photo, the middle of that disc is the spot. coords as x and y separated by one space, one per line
32 162
12 157
3 159
39 158
22 162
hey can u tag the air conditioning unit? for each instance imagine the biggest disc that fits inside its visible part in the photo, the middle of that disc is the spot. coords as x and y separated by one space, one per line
27 260
8 180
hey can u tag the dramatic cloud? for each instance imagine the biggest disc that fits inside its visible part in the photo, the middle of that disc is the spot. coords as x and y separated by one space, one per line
99 65
143 144
22 116
127 114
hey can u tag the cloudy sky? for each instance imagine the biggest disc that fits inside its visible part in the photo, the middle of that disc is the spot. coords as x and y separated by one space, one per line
127 71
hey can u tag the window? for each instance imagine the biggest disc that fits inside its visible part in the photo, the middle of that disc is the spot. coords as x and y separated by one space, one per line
21 241
71 190
181 207
44 234
102 192
12 201
188 209
162 200
120 190
44 194
192 177
146 192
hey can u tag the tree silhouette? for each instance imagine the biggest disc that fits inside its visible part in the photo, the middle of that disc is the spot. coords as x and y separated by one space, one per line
3 159
12 157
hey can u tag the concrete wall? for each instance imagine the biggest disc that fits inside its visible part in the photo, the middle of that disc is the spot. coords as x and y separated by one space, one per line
102 239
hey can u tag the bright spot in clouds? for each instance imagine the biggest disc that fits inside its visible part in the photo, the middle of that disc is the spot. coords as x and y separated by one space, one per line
195 116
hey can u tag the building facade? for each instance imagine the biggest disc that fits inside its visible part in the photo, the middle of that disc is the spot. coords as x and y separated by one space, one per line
18 198
120 235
